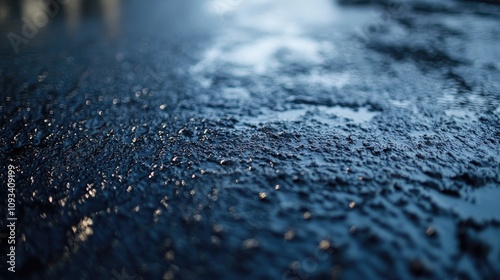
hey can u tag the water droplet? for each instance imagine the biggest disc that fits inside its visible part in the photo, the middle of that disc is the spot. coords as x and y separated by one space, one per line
352 230
197 217
250 243
430 231
42 76
307 215
289 235
324 244
217 228
262 195
169 256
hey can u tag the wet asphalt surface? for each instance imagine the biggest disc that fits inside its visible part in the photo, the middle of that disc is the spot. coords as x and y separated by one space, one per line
264 140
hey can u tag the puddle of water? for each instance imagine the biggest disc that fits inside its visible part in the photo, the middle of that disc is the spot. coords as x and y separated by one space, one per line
480 204
276 16
323 114
323 79
466 105
261 54
400 103
482 46
358 115
254 33
461 114
235 93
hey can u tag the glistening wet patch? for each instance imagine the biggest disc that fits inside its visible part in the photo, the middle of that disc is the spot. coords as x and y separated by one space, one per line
479 204
331 115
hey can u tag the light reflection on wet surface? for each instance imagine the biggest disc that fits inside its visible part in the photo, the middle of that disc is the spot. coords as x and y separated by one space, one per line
335 115
257 38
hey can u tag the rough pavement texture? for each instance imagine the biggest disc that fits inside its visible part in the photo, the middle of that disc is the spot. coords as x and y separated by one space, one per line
264 141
